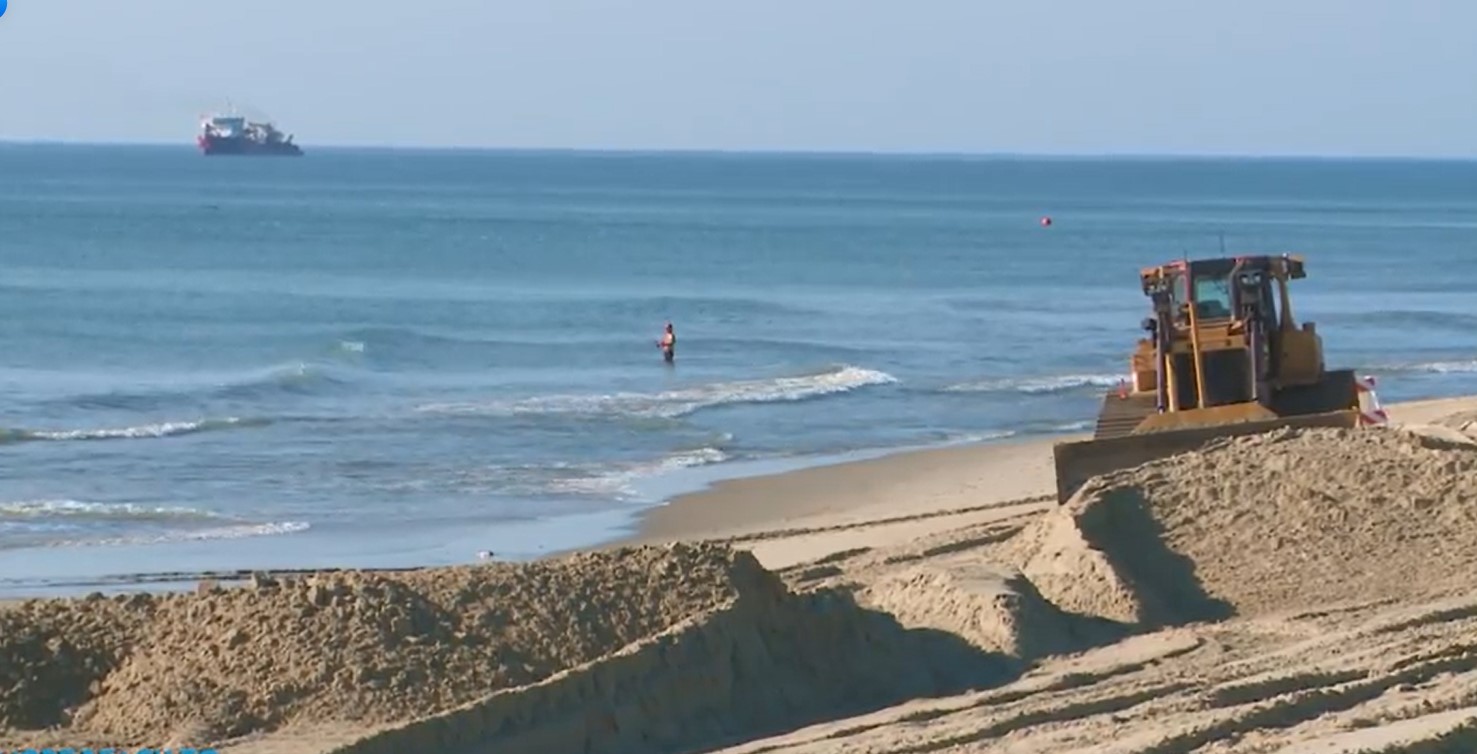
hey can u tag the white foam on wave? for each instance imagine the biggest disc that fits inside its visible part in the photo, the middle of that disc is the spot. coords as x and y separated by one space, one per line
619 483
603 480
237 531
1038 385
74 510
674 403
142 431
75 523
974 437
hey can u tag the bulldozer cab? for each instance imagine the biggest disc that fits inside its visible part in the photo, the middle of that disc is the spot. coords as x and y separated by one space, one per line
1206 284
1222 333
1222 356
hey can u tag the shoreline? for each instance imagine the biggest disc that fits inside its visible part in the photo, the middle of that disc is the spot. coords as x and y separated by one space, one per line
812 514
911 558
51 571
602 529
904 487
786 510
856 489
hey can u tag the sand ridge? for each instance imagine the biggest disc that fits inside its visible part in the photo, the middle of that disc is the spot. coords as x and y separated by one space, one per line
372 647
702 627
990 605
1263 523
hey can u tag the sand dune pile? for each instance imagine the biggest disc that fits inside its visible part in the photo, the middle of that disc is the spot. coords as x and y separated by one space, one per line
660 648
990 605
51 652
1262 523
762 665
366 646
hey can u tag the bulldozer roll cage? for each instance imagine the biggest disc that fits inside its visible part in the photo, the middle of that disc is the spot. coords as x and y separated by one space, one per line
1223 355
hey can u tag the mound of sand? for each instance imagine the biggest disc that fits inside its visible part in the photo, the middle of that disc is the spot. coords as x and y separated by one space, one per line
51 652
1262 523
356 645
989 605
682 646
760 665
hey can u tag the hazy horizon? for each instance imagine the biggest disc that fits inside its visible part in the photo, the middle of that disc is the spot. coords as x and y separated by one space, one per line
1318 79
189 146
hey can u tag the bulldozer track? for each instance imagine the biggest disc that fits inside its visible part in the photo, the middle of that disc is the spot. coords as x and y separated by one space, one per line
1121 414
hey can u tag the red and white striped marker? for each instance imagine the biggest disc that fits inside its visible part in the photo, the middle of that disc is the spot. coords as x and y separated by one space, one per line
1371 414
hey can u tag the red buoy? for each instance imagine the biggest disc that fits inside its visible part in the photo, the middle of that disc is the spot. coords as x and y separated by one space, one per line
1046 221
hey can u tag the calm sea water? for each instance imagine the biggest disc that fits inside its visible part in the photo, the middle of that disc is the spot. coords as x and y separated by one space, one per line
382 358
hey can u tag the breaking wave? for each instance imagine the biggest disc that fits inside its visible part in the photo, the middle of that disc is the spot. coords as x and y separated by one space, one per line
142 431
237 531
619 483
76 510
675 403
65 522
602 480
1038 385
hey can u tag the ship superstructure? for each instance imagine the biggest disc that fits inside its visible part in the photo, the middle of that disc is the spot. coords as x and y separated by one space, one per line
232 134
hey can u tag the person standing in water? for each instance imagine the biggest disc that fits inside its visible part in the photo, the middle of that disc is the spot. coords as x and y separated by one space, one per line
668 344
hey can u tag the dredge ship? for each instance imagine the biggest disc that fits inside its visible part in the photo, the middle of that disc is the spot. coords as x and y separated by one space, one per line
235 135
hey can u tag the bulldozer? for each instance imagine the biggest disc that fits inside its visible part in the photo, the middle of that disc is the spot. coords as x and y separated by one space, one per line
1223 356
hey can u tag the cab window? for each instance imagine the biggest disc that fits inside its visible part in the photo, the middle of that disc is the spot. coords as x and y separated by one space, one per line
1212 297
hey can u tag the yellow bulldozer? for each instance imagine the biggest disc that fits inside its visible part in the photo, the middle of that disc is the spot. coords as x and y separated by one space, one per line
1223 356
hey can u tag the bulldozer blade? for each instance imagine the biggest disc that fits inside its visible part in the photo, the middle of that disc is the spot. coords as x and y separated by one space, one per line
1235 413
1077 462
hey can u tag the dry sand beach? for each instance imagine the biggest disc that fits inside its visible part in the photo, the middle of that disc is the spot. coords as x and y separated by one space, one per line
1292 592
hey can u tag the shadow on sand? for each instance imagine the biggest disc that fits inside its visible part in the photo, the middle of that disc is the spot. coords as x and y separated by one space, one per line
763 666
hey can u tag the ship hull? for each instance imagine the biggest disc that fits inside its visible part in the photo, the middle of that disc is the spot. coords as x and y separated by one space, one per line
215 145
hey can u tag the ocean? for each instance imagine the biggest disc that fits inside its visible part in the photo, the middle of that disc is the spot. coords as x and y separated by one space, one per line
396 358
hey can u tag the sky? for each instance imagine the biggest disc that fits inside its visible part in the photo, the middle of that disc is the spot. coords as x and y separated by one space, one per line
1261 77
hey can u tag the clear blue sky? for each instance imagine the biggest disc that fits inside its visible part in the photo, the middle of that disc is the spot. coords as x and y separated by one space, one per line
1362 77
